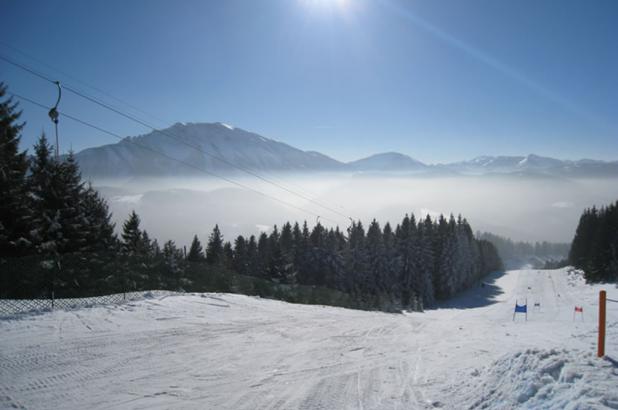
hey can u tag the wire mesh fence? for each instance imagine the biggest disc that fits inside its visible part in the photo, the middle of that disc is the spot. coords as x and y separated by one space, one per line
13 307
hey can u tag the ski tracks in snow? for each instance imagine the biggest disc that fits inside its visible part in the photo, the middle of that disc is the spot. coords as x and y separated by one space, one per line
238 352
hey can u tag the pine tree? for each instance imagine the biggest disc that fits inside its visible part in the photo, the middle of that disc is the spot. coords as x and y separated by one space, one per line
376 259
286 248
43 202
263 256
214 249
301 252
173 263
392 264
228 255
132 238
241 260
196 252
252 257
356 263
275 261
14 211
595 246
70 189
100 233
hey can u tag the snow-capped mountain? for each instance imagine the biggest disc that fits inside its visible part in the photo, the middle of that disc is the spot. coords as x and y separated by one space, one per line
198 148
194 147
534 164
388 161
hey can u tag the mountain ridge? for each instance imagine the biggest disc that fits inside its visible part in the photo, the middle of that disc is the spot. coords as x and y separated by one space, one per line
194 148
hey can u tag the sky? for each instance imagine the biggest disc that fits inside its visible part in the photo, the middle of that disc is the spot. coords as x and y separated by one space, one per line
440 80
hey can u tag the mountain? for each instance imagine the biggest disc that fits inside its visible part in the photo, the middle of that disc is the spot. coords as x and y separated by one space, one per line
192 143
534 165
198 148
388 161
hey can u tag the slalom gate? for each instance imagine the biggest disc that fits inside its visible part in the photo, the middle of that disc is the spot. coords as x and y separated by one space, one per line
602 316
521 309
580 310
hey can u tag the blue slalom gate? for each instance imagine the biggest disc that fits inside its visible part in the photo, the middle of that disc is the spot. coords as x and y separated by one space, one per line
521 309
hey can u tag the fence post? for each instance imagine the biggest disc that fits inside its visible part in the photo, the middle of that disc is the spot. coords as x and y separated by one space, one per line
602 303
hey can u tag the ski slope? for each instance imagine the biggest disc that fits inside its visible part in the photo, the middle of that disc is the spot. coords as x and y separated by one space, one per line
224 351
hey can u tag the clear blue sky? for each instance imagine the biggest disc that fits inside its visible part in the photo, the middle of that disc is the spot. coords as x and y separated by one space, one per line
437 80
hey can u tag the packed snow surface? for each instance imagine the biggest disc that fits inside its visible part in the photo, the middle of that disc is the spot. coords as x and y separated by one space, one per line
223 351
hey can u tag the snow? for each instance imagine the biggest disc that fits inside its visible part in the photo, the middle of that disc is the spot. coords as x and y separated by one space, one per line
229 351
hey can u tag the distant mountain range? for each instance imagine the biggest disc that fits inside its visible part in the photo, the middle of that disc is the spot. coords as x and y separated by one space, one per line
191 149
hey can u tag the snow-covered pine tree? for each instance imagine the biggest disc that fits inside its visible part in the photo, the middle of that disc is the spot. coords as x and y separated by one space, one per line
69 191
132 236
15 214
100 235
46 202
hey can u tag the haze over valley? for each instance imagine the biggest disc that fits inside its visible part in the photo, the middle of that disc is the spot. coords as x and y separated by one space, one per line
528 198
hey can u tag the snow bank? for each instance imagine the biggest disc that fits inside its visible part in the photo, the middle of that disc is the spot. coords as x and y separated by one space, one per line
544 379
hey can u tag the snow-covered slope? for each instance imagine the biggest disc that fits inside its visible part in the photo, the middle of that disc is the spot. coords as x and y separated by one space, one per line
236 352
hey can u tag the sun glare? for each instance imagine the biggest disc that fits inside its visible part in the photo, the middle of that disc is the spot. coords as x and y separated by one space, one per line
329 5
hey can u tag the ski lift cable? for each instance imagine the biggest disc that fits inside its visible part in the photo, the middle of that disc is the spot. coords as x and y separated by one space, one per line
136 109
175 138
165 133
119 137
79 81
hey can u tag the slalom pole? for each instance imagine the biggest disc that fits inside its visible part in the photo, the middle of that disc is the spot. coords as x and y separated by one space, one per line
601 343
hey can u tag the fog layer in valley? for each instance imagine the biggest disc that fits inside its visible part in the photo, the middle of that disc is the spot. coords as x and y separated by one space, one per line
530 209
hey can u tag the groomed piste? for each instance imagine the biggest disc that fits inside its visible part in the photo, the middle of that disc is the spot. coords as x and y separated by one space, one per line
229 351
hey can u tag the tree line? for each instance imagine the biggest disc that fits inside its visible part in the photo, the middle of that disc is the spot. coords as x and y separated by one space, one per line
56 236
595 245
517 253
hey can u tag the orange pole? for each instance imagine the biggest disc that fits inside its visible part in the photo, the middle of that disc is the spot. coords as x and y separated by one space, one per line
602 298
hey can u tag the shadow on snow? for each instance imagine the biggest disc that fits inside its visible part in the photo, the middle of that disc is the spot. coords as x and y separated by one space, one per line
482 294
